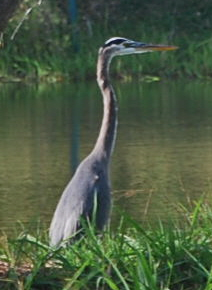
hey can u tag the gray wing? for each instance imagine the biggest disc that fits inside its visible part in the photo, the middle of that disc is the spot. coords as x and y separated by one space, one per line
76 201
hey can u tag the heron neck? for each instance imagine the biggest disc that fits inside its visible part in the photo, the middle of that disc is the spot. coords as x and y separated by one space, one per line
106 139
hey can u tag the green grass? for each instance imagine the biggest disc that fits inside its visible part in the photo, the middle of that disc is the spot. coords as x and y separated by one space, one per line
43 49
191 60
172 256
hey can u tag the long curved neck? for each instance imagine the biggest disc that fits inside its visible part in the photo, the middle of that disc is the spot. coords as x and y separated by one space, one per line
106 139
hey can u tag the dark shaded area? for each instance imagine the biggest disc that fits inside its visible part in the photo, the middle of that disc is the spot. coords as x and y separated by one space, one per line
192 16
177 17
7 9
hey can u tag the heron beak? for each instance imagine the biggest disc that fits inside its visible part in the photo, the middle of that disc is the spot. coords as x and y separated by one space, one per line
153 47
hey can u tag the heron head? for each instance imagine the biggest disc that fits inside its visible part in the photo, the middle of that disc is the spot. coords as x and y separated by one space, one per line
121 46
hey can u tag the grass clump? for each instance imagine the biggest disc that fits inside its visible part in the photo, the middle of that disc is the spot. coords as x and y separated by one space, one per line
165 257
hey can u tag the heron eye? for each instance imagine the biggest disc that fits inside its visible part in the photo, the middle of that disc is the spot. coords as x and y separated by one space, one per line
127 44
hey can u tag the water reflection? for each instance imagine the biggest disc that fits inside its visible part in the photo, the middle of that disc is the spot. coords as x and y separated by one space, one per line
162 156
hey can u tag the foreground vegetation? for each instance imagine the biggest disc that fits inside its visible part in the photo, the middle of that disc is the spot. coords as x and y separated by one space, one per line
171 256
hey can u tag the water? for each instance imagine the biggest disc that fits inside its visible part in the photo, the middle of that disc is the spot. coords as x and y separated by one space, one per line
163 154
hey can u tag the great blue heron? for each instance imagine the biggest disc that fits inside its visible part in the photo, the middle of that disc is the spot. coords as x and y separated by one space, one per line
92 175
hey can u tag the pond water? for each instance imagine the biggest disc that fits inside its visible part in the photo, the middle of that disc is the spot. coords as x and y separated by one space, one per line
162 157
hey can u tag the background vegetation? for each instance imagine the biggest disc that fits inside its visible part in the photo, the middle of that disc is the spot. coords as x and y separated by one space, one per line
54 42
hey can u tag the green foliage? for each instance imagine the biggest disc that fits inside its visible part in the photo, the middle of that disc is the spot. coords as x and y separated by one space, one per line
167 257
44 46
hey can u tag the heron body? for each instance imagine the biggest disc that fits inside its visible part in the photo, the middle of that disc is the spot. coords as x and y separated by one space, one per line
79 203
92 175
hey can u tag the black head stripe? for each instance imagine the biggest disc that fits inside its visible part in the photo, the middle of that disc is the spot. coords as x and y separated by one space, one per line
114 40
